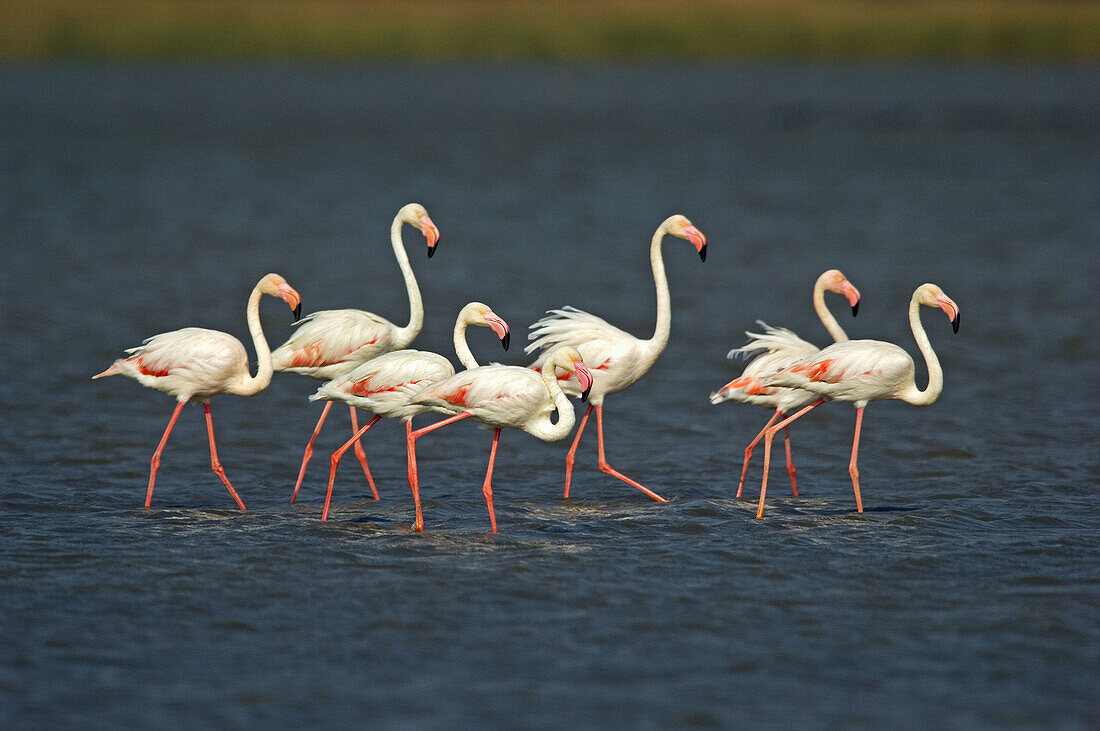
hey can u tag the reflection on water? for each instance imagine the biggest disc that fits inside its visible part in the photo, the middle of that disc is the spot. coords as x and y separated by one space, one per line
138 200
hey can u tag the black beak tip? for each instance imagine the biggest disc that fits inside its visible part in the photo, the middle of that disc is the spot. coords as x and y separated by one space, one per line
431 250
703 252
955 322
584 394
855 309
506 339
298 312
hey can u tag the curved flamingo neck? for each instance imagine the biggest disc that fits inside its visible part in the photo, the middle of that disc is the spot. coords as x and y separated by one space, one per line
543 428
249 384
462 348
914 395
405 335
835 330
664 307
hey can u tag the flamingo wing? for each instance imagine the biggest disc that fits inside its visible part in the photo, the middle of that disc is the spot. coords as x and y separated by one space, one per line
613 355
385 384
329 342
781 348
496 395
856 370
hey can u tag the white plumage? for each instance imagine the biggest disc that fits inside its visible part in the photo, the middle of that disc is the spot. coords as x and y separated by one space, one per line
861 371
616 358
781 348
195 364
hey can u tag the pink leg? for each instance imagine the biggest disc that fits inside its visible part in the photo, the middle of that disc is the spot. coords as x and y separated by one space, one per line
309 451
487 486
852 470
154 464
414 479
214 463
359 453
768 436
608 469
334 461
790 464
749 449
571 456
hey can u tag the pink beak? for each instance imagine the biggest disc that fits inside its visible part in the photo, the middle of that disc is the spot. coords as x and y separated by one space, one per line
431 233
292 298
584 377
950 309
500 327
852 294
698 240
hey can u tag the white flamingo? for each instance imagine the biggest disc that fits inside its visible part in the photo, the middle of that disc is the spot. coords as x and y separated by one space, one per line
861 371
329 343
502 396
384 385
195 364
782 347
616 357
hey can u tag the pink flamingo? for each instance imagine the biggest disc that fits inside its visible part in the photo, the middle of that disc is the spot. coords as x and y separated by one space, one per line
195 364
861 371
385 384
502 396
619 359
329 343
782 348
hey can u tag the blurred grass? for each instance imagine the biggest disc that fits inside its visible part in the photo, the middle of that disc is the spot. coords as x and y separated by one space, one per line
505 30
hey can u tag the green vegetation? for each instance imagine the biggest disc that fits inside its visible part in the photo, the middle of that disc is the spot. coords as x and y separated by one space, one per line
587 30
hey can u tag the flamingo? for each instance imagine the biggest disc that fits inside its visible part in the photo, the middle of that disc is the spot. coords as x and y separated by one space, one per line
195 364
502 396
861 371
329 343
782 347
619 359
385 384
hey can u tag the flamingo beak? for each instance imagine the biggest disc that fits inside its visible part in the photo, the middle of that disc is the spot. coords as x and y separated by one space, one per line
292 298
500 327
697 239
849 291
584 377
950 309
431 233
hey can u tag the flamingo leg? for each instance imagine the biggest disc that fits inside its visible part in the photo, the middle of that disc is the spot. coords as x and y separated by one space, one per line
571 456
334 461
768 436
414 484
309 450
608 469
852 469
215 464
790 465
487 486
749 449
410 445
154 464
359 453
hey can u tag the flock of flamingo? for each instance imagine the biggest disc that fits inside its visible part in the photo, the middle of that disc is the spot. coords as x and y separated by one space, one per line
364 361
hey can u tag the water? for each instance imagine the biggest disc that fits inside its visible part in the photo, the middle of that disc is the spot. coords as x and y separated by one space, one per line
138 200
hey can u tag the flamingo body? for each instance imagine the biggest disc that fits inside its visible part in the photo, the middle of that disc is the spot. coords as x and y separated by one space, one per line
329 343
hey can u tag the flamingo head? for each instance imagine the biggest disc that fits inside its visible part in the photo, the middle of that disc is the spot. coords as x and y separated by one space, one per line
415 215
680 227
835 281
275 286
932 296
568 358
477 313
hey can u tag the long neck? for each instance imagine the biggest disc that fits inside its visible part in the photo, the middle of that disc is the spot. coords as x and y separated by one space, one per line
543 428
405 335
826 317
928 396
462 349
664 309
250 385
